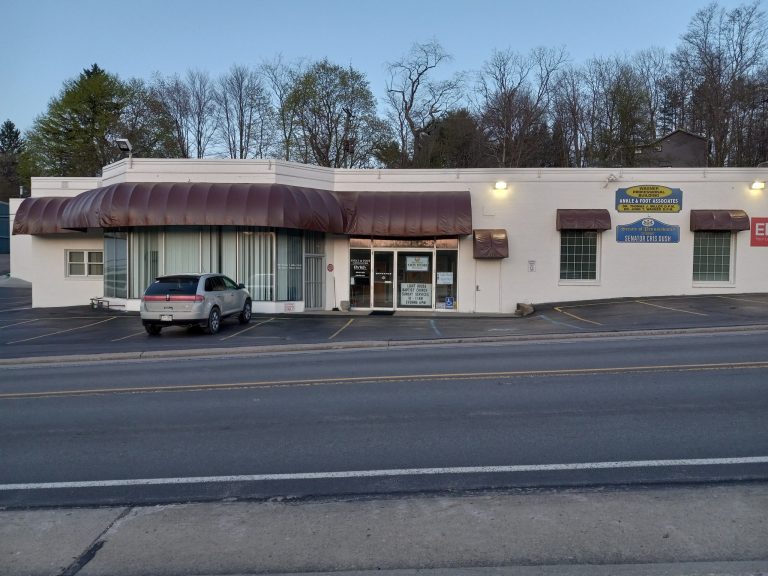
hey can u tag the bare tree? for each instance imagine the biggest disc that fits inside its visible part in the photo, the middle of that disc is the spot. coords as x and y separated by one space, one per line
722 49
515 93
652 67
202 110
282 78
568 110
416 99
245 122
173 95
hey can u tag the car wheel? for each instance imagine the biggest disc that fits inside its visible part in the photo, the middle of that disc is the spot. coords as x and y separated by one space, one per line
214 321
153 329
245 315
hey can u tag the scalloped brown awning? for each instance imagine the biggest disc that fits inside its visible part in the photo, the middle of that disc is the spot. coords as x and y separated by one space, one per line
490 243
204 204
721 220
407 214
40 215
130 204
583 219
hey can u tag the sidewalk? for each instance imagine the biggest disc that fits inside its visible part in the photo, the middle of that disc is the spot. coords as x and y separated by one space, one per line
579 531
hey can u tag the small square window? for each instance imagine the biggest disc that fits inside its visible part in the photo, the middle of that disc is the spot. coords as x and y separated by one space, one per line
85 263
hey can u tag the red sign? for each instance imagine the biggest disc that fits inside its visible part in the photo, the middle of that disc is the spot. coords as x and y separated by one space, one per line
330 267
759 232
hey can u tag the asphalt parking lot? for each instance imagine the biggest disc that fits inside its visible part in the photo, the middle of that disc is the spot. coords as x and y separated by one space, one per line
42 332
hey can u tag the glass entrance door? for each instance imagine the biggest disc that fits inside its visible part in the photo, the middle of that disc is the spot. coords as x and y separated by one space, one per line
383 268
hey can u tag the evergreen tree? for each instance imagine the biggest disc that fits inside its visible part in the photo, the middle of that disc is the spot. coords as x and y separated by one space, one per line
11 147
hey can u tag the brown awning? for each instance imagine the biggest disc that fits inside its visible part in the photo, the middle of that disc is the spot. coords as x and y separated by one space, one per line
40 215
585 219
490 243
129 204
407 214
719 220
204 204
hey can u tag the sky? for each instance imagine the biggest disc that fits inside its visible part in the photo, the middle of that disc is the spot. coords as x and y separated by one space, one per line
46 42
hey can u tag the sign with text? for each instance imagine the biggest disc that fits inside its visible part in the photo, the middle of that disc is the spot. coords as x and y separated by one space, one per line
445 277
759 232
415 294
649 198
360 267
648 231
417 263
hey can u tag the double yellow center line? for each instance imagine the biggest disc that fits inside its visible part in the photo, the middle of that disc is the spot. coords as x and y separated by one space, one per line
382 379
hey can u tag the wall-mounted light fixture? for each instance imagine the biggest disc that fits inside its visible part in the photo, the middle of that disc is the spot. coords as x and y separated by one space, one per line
500 185
758 185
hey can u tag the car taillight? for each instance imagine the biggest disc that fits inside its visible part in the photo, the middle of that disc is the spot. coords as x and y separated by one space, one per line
174 298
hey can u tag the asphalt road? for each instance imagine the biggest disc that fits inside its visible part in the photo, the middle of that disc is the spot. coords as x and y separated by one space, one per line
573 412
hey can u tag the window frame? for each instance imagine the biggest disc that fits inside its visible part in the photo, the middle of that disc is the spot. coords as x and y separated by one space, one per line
731 281
86 263
598 255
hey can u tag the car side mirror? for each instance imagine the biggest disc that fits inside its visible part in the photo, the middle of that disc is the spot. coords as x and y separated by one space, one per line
241 286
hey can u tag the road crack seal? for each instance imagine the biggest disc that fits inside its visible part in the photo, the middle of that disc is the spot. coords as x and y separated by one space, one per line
90 552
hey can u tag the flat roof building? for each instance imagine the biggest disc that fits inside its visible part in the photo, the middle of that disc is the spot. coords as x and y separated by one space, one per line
303 237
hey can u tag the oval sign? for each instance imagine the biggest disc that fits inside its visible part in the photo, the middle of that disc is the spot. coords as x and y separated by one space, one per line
330 267
648 191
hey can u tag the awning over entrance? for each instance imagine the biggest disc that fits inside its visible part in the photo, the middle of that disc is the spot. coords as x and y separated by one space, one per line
719 220
584 219
371 214
40 215
204 204
490 243
407 214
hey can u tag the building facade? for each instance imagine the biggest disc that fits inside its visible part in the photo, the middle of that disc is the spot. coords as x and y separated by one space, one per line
470 240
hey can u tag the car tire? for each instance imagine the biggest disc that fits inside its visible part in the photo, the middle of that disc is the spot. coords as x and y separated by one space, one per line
153 329
245 314
214 321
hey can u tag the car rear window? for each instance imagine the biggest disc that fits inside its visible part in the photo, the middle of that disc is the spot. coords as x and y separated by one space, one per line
186 286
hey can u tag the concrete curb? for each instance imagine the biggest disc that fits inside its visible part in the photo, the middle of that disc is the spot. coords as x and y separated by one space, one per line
320 346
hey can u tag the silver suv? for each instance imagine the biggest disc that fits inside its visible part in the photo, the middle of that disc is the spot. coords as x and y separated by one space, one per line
193 300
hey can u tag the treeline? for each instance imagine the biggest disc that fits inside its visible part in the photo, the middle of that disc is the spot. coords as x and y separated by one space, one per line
518 110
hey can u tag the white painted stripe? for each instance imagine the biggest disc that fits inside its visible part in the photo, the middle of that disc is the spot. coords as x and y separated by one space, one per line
393 472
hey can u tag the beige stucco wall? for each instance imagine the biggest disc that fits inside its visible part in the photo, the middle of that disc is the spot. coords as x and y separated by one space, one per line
526 210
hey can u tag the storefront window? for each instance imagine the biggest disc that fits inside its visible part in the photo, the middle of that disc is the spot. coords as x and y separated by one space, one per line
116 265
445 279
360 278
290 255
145 260
256 264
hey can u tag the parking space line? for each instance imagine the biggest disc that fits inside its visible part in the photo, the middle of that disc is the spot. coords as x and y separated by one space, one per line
743 299
246 330
668 308
130 336
62 331
559 309
332 336
18 323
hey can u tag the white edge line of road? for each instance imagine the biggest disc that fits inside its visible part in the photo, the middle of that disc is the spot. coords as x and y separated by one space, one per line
384 473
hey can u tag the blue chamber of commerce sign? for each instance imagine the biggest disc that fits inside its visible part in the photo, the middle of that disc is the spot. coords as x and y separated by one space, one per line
648 231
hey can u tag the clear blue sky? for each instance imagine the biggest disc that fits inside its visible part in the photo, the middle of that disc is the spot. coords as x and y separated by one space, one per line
45 42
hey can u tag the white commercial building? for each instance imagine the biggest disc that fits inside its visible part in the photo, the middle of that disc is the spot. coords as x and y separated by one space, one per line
469 240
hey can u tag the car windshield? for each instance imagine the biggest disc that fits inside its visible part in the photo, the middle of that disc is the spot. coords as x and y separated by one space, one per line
176 285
